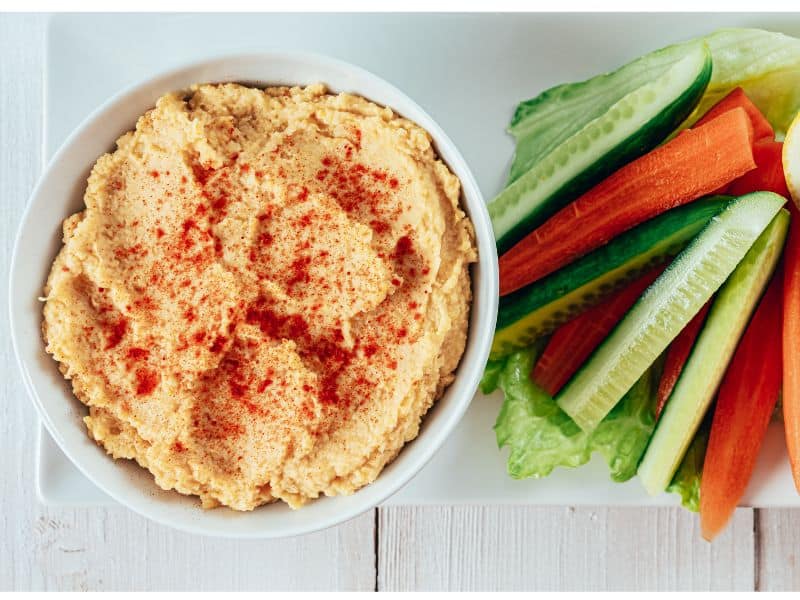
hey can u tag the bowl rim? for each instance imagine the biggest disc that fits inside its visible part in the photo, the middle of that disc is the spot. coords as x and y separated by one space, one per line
485 290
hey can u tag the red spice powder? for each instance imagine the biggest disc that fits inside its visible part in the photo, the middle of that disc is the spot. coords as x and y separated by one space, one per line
403 248
379 226
146 381
123 253
218 344
208 427
238 390
298 271
326 354
145 303
178 447
360 190
329 389
115 332
202 174
220 203
138 353
275 325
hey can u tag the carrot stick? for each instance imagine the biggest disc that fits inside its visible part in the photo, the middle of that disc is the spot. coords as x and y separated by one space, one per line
685 168
791 343
745 403
738 99
762 130
677 355
573 342
767 176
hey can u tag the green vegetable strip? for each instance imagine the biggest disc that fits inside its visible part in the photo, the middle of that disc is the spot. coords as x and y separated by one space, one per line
686 482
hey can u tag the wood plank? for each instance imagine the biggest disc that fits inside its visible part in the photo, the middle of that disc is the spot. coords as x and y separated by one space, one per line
21 53
778 546
114 549
541 548
96 549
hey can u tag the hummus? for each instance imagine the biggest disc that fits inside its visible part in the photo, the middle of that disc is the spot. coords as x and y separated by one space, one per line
266 292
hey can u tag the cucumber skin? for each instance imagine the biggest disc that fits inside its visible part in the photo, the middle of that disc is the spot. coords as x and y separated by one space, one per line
562 397
683 222
585 100
568 90
756 269
652 133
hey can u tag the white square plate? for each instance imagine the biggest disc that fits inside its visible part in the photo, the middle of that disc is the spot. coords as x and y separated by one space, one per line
468 72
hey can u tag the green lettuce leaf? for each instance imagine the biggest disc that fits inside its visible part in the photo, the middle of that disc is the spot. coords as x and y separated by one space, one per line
765 64
541 436
686 482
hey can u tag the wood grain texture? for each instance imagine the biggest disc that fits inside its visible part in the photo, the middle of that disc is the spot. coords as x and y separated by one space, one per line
21 41
540 548
778 544
114 549
95 548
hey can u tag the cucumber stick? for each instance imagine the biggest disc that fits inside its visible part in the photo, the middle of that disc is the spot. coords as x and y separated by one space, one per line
572 137
665 308
710 356
540 307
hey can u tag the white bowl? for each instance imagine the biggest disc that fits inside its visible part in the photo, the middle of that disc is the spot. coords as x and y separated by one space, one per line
60 194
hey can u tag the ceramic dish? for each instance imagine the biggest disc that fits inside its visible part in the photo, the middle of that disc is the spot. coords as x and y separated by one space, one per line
60 193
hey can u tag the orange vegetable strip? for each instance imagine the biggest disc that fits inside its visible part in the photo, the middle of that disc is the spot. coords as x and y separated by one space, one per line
573 342
791 343
745 403
685 168
677 355
738 99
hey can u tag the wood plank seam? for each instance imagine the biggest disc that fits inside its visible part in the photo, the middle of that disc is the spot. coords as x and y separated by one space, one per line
376 545
757 549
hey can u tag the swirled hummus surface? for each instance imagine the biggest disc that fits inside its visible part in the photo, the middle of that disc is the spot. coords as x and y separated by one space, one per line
265 293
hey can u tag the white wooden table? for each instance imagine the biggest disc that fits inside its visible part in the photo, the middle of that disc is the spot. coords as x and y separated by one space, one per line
397 548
